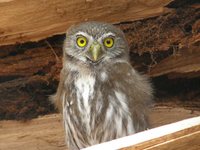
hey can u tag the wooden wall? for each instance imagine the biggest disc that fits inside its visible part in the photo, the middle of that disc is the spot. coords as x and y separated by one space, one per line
33 20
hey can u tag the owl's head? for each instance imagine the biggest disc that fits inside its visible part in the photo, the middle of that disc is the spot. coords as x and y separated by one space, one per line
95 42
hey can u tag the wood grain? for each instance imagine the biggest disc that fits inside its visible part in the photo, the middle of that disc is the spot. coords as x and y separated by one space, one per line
33 20
185 139
186 63
44 133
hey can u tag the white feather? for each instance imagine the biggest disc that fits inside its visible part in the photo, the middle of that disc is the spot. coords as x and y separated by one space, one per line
85 89
103 76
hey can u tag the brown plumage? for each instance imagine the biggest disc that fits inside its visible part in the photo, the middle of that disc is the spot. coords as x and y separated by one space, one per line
100 95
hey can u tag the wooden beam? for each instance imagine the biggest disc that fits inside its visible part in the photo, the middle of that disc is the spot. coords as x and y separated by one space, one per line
185 63
180 135
33 20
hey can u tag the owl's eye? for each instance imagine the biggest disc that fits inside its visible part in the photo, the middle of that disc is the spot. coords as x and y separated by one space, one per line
81 41
108 42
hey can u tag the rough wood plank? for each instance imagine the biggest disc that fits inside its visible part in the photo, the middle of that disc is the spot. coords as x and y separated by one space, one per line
44 133
33 20
47 132
181 64
28 63
187 141
184 139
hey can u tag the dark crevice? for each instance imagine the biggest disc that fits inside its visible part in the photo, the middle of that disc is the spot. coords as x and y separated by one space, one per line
182 3
143 62
177 92
46 69
9 78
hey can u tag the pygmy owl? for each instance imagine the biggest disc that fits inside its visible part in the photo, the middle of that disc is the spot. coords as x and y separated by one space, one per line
100 95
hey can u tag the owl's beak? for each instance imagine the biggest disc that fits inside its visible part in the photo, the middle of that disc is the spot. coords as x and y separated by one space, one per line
95 52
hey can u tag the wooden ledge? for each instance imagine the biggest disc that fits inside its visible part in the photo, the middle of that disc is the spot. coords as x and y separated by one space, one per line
33 20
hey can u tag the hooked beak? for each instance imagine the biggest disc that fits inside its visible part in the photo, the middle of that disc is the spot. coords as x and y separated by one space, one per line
95 52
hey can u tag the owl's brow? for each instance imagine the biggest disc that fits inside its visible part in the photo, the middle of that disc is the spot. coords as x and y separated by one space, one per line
107 35
82 33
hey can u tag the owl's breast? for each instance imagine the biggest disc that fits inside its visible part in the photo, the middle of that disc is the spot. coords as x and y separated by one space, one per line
84 86
102 111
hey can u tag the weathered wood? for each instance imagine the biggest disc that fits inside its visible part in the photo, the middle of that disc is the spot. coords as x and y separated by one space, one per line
170 32
26 81
185 139
29 63
186 63
33 20
47 132
44 133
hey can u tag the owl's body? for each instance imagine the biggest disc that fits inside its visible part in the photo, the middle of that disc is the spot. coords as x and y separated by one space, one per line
101 98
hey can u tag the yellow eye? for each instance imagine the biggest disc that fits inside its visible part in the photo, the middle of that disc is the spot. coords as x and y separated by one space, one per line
108 42
81 41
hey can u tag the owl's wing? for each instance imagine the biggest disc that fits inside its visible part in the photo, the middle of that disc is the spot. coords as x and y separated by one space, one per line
138 90
56 99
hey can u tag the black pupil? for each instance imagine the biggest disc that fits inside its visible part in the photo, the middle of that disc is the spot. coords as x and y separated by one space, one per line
108 42
82 41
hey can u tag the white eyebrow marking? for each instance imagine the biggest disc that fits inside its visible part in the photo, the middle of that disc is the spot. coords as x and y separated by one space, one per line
107 35
82 33
89 37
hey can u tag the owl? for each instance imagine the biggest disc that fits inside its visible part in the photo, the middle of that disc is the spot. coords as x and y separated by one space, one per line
101 97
